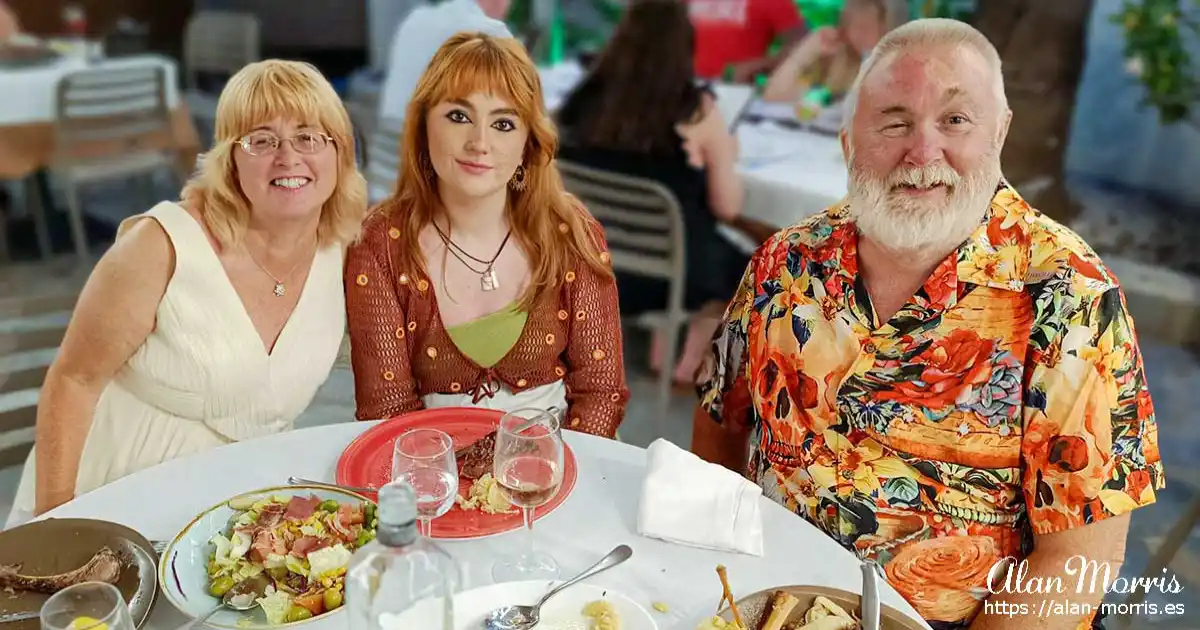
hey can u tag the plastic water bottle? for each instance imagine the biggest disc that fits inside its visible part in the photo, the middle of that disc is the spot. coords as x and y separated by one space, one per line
401 580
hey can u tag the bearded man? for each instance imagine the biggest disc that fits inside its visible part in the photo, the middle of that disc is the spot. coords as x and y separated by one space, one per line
933 373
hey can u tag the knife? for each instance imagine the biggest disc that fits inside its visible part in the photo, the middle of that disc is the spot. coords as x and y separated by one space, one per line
870 596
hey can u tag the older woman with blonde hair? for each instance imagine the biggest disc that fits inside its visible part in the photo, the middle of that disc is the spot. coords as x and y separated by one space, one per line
480 281
214 319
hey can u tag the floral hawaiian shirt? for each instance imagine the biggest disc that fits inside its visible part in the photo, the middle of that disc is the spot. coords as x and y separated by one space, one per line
1005 399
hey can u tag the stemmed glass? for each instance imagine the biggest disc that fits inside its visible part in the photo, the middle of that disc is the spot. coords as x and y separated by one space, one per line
528 468
86 606
424 459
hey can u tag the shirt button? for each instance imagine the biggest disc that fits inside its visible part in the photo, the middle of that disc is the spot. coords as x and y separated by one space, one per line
847 474
869 348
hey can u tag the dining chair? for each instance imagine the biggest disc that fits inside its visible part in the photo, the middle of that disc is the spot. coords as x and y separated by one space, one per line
643 223
383 158
102 118
220 43
216 44
21 380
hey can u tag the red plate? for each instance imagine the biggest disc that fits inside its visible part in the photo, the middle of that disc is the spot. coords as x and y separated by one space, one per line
367 461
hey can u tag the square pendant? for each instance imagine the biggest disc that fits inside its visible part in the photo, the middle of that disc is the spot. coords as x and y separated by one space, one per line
488 281
280 291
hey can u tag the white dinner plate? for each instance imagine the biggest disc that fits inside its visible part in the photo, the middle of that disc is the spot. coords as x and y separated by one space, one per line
564 611
182 567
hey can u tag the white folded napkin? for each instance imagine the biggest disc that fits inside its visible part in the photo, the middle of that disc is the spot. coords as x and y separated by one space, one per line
688 501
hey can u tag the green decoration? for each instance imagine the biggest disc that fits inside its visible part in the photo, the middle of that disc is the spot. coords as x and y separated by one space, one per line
1156 53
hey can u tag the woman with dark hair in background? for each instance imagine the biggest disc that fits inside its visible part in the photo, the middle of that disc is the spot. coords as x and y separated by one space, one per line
640 112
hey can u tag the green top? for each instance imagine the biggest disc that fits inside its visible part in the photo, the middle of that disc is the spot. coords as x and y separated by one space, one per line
486 340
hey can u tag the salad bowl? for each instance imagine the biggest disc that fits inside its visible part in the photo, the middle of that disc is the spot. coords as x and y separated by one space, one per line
301 537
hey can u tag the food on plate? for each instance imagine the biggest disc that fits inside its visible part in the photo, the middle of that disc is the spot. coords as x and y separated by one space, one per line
824 614
104 566
485 496
782 603
603 615
661 607
303 545
475 461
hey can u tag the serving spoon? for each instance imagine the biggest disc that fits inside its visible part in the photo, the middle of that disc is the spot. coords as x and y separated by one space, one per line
525 617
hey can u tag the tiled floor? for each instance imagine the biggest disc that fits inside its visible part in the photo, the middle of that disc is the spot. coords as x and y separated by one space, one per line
1173 375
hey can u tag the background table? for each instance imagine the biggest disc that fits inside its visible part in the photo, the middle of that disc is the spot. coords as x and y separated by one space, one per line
600 514
788 174
27 111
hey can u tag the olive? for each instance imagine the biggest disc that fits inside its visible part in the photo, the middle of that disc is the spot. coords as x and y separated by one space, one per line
298 613
333 598
329 505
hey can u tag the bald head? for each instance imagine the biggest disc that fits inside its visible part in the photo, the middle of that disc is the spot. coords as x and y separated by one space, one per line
929 38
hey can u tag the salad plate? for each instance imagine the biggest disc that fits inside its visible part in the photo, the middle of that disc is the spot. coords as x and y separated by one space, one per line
300 537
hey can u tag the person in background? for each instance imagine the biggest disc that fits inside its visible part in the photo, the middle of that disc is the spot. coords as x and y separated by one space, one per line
9 26
480 281
421 34
734 37
829 57
653 121
214 319
932 372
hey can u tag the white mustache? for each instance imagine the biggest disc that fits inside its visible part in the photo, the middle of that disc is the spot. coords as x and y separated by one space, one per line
924 177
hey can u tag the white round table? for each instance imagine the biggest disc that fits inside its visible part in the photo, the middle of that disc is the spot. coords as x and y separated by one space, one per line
31 92
598 515
789 174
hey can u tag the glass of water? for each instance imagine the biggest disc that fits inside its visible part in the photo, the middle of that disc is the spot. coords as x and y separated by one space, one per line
424 459
87 606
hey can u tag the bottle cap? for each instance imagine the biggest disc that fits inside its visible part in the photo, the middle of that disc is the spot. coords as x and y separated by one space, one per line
397 504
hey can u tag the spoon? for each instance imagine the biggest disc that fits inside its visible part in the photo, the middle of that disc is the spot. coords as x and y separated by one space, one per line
870 596
241 597
301 481
525 617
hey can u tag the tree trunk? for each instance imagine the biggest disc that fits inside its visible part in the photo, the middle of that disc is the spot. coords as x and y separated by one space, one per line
1042 45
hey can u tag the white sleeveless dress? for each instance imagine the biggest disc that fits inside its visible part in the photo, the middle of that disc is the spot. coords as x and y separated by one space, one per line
203 379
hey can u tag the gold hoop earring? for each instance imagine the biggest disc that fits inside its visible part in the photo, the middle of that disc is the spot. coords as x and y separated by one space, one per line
517 182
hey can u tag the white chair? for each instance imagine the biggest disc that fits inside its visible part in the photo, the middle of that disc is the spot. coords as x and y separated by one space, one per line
102 117
216 43
219 42
644 226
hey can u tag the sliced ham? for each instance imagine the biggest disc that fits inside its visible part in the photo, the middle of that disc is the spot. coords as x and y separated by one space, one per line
305 545
264 545
300 508
350 514
271 514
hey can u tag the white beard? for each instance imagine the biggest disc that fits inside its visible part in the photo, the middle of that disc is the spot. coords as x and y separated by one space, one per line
916 227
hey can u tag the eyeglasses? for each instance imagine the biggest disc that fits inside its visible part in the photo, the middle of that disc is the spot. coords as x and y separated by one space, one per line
265 143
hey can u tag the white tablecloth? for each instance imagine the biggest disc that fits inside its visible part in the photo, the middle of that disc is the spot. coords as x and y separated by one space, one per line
29 94
599 515
789 174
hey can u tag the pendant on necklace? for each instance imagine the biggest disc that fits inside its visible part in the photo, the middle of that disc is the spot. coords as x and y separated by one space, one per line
488 281
280 291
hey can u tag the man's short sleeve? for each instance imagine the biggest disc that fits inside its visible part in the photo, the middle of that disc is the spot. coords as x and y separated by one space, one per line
1090 447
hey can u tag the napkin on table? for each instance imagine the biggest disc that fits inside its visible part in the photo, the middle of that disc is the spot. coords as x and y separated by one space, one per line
688 501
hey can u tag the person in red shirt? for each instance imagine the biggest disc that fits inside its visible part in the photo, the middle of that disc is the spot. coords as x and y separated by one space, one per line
738 34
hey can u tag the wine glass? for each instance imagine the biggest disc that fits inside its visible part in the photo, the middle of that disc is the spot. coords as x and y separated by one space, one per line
424 459
87 606
528 467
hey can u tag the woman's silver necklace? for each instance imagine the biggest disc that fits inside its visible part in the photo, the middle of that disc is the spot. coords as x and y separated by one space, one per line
487 278
280 289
